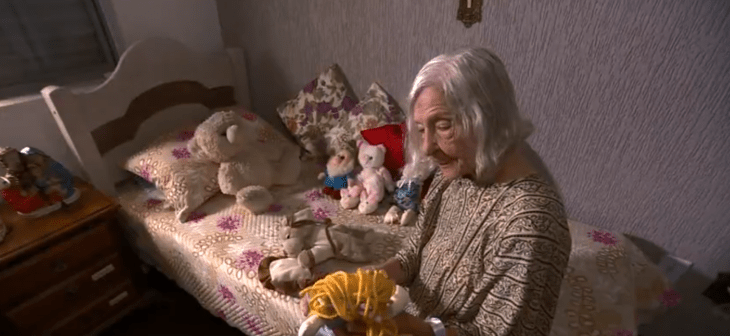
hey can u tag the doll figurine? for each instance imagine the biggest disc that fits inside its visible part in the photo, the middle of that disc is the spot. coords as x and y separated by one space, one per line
52 178
17 186
339 173
409 191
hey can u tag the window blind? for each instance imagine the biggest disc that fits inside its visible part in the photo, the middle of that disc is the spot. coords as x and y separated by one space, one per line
51 43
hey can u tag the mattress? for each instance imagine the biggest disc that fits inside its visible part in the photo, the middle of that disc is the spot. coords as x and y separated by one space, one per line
608 287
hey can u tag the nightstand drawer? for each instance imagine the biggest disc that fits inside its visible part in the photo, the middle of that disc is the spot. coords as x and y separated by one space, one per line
55 265
96 313
49 307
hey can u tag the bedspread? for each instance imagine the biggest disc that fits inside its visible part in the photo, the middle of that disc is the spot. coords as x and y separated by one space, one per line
215 255
609 284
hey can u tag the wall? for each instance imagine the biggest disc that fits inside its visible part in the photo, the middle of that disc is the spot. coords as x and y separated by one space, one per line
27 121
630 98
193 22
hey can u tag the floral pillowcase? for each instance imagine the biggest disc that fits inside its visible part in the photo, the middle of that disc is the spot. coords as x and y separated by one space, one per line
319 106
186 182
376 109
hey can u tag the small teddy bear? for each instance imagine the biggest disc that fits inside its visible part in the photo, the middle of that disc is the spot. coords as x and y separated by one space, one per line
248 167
373 180
338 173
313 242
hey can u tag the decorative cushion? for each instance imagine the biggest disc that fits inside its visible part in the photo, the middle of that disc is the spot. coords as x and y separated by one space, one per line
376 109
317 108
390 136
186 182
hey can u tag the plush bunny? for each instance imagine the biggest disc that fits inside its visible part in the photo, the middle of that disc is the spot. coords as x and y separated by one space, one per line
374 179
313 242
249 166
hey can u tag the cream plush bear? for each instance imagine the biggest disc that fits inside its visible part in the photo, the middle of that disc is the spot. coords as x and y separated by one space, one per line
372 181
248 167
313 242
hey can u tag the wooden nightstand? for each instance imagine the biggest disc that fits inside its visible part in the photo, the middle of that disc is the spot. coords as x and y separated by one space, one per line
67 273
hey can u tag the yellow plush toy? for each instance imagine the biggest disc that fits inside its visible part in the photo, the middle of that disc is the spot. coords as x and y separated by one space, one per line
367 295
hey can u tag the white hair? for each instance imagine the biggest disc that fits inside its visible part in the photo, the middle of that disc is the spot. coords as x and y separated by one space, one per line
480 94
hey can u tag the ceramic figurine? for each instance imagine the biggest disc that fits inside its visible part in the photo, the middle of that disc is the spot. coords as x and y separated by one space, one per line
51 177
17 186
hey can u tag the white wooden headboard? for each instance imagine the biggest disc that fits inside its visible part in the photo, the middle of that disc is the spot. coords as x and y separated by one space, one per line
152 75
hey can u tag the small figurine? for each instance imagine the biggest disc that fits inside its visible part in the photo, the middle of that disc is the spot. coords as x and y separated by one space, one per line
410 189
32 183
17 186
51 177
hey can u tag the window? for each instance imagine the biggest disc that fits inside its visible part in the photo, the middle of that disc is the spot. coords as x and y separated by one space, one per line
51 43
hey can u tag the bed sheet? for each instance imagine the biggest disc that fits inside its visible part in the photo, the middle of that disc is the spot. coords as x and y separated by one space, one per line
608 287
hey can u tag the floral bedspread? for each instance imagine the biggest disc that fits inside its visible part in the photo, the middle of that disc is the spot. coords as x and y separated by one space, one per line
215 255
608 287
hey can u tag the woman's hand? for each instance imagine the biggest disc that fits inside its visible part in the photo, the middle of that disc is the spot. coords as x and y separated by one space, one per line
407 324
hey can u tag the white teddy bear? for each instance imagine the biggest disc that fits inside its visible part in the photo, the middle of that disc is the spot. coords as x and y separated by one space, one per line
372 181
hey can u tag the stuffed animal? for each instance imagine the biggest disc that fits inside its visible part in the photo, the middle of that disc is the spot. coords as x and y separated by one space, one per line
374 179
248 166
338 174
366 295
313 242
288 276
409 191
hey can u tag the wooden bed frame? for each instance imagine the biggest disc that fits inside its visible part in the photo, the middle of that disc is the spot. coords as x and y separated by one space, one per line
152 76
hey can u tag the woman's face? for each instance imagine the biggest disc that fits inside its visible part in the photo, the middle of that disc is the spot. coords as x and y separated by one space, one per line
454 153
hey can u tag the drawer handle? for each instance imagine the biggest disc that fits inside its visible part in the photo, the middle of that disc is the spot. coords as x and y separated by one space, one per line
59 266
118 298
102 272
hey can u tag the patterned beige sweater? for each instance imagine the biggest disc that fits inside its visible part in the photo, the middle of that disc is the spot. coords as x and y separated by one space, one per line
488 260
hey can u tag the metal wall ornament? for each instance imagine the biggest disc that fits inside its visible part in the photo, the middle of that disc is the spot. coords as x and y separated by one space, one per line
470 12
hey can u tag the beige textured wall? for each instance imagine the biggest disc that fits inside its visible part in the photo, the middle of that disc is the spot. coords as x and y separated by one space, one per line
630 98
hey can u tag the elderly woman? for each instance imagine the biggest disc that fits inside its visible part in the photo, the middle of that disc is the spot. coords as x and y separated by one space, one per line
492 240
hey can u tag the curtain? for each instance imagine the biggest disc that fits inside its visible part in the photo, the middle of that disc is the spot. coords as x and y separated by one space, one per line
53 42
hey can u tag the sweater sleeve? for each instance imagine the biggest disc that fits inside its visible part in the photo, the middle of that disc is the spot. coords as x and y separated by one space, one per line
524 275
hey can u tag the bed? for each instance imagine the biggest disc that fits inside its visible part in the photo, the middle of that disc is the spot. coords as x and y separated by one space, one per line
608 289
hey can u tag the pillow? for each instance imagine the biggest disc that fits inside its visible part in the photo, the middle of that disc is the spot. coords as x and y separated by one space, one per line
317 108
187 183
390 136
376 109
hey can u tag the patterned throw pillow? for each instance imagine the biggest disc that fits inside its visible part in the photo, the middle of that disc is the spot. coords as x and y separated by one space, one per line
318 107
186 182
376 109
